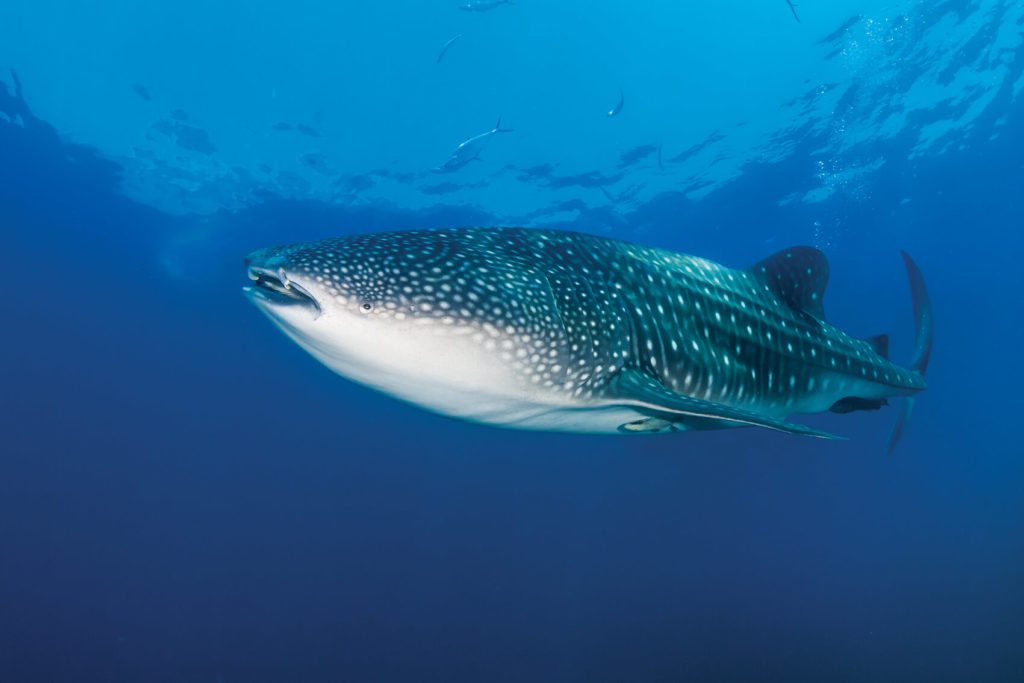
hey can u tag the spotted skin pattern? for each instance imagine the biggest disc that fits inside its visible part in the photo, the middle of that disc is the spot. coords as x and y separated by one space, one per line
565 314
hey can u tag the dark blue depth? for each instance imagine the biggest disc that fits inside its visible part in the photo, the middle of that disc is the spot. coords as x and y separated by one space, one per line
186 496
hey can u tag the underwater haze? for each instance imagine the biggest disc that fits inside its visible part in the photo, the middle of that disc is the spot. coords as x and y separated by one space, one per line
186 495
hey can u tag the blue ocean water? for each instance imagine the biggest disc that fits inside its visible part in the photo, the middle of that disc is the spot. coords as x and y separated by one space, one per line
185 495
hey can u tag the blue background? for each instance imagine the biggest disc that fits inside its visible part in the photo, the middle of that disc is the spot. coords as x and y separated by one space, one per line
186 496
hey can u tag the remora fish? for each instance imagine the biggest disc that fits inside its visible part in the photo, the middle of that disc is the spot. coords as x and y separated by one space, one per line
469 150
792 8
541 329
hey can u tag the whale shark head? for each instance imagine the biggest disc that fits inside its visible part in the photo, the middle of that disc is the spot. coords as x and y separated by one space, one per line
442 320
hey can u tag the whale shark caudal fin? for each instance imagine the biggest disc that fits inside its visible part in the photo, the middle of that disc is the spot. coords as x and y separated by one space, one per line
925 326
499 129
798 276
638 389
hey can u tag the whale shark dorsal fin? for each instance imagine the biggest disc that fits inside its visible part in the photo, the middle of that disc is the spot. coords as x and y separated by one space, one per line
880 343
798 276
640 390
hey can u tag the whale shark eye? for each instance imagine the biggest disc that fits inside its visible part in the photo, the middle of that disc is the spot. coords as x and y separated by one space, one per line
367 307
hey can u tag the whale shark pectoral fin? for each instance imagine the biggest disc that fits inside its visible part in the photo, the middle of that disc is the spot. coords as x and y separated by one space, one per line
638 389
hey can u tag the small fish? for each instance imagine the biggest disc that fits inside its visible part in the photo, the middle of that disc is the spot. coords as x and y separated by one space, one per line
614 111
447 46
18 90
483 5
141 91
469 150
792 8
302 128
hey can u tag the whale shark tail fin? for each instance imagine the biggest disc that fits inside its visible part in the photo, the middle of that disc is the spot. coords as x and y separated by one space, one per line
499 129
925 327
922 315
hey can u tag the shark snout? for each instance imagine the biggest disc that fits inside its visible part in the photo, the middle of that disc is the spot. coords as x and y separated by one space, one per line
271 284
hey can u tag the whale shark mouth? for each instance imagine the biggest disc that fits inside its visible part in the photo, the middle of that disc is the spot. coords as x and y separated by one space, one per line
274 287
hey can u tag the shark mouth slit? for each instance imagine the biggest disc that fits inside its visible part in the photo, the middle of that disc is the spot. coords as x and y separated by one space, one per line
276 288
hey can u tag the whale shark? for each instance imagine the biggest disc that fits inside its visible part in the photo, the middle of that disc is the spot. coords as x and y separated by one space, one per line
565 331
